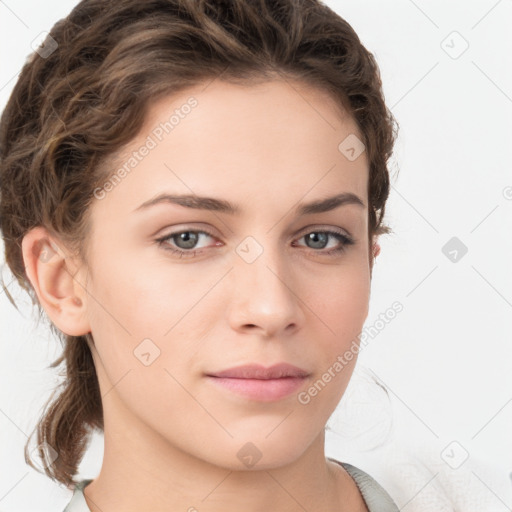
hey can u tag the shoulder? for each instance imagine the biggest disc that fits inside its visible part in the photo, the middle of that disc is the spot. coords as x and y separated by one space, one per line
375 496
78 503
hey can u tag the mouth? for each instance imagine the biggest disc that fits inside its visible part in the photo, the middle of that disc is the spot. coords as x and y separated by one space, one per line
258 383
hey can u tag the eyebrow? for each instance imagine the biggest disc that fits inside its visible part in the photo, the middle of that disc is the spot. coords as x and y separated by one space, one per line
222 206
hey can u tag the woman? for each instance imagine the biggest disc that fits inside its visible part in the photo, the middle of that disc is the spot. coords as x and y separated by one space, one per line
193 192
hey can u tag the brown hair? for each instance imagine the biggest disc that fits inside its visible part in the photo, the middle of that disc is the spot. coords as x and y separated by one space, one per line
70 111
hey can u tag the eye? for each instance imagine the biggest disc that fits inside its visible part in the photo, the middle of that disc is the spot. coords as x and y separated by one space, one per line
318 239
184 243
185 240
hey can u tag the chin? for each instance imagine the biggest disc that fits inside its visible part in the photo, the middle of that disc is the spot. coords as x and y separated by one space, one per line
259 452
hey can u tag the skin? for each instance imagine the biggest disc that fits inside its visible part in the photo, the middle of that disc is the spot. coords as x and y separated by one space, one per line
171 437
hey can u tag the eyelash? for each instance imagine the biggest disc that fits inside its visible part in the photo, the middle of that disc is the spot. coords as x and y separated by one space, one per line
344 239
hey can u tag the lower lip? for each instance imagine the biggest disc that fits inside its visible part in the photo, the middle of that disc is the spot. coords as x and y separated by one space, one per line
268 390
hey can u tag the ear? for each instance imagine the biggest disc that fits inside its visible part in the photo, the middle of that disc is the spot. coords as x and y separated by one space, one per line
54 276
376 248
374 252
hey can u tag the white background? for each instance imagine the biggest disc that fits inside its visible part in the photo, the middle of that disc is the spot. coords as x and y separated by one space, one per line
446 358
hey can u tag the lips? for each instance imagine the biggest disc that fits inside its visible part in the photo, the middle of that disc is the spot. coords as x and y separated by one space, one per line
258 383
256 371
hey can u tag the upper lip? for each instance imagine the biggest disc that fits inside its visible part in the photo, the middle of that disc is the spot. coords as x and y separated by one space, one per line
257 371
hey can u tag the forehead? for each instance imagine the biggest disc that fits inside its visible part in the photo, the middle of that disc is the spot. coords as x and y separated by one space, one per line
276 141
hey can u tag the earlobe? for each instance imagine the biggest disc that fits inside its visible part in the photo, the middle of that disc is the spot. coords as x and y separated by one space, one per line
376 249
53 276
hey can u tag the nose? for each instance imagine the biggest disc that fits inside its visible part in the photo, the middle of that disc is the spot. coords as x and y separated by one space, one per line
264 297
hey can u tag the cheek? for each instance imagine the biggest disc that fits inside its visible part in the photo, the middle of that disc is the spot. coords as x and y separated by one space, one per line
347 308
341 313
156 315
341 301
141 332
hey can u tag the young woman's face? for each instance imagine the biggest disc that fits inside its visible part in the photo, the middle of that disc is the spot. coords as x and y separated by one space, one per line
264 285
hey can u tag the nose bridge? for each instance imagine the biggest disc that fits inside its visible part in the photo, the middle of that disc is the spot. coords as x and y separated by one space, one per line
262 264
262 294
